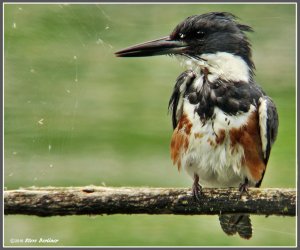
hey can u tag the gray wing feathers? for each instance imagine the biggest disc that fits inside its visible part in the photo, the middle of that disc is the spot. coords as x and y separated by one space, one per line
268 122
183 81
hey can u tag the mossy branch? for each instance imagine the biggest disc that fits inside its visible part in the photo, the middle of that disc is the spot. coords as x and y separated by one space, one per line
92 200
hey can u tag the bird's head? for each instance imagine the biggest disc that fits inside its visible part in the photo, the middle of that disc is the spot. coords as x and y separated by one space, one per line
198 35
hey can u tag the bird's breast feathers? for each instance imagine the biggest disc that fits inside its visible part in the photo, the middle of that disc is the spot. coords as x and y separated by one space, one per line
222 150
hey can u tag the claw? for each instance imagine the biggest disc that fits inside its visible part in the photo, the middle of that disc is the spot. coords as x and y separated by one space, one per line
196 191
244 187
196 188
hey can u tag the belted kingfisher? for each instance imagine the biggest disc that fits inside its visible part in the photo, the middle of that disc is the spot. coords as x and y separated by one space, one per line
224 123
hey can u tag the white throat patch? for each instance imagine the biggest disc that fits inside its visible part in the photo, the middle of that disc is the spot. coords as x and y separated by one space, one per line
220 65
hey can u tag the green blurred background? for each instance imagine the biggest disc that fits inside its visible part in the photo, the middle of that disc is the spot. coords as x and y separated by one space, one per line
77 115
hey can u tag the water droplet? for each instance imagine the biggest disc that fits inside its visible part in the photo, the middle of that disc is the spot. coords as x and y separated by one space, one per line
68 91
14 25
75 57
107 27
51 165
41 121
14 153
76 80
99 41
49 147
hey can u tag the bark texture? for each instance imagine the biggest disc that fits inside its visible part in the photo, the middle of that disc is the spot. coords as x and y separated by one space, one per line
92 200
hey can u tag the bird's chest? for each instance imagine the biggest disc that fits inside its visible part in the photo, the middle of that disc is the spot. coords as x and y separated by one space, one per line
211 148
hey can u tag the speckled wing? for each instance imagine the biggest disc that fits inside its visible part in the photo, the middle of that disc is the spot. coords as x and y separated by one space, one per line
183 81
268 123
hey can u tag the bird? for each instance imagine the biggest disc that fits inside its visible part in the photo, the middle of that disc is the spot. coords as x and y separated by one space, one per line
224 124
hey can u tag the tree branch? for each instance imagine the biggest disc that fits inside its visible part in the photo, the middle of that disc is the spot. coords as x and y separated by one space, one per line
90 200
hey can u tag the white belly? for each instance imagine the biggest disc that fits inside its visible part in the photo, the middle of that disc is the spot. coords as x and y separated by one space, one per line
216 164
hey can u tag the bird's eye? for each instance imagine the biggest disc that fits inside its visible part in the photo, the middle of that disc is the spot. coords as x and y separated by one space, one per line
181 35
200 34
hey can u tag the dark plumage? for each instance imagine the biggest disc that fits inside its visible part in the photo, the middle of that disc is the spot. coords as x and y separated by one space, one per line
231 97
215 31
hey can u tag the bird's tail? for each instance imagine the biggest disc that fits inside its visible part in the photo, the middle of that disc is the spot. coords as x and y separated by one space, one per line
238 223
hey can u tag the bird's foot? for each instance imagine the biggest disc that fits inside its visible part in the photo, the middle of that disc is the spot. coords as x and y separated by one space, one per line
244 187
196 188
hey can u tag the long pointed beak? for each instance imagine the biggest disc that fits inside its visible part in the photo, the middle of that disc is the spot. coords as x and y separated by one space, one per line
162 46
